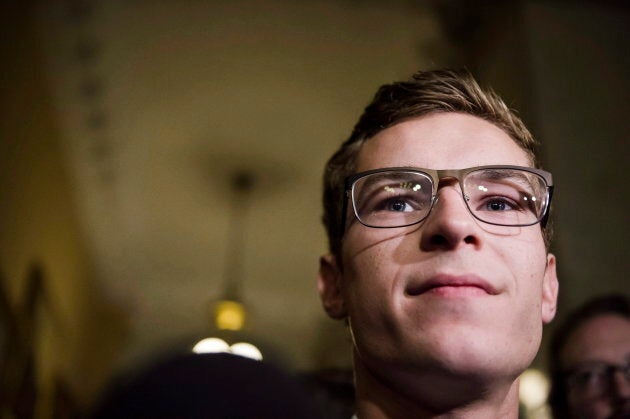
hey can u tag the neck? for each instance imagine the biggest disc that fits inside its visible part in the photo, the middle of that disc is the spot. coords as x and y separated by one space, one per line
432 395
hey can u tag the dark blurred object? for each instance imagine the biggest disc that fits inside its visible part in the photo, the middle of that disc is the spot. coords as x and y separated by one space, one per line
606 306
333 390
19 329
208 386
17 366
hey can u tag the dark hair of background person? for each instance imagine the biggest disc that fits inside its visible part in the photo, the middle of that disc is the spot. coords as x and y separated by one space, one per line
616 304
427 92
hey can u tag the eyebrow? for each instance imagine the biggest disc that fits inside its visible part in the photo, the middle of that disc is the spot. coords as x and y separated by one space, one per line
504 174
517 177
598 363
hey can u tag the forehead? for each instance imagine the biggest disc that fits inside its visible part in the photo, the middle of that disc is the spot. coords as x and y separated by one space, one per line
603 338
441 141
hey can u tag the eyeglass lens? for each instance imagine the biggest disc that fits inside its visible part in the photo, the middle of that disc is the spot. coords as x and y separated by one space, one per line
500 196
596 377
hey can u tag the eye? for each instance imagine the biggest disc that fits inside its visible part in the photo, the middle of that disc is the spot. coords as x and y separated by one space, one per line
397 205
391 198
588 377
594 377
498 204
395 202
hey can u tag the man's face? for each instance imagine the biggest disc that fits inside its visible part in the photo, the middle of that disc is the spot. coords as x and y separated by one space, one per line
601 342
495 285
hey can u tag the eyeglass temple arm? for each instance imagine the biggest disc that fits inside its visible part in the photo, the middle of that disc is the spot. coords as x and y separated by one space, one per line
344 210
543 222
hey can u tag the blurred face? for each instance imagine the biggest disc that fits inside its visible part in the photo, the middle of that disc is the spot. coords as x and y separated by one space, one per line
451 293
596 389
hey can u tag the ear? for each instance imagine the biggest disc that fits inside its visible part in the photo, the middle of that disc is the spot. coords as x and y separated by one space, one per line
329 287
549 290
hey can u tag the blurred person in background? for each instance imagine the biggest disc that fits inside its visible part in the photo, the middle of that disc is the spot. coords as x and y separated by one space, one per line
590 361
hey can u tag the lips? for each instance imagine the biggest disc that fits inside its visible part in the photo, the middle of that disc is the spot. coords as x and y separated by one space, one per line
452 283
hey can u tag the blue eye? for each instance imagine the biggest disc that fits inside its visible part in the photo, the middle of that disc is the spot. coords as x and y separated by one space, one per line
498 205
397 205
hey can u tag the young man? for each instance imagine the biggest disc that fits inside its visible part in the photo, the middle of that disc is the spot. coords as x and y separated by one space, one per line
590 361
438 261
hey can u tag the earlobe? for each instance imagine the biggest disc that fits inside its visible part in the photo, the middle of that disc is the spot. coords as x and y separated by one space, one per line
329 287
549 290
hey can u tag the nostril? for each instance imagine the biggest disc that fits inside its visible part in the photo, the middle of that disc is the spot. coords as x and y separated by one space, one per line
438 240
444 241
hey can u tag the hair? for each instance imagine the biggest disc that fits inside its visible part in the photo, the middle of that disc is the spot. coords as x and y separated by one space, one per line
610 304
427 92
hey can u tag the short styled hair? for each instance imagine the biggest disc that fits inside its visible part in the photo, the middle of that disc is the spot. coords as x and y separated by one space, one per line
427 92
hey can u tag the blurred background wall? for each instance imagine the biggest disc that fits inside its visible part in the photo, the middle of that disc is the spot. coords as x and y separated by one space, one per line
124 123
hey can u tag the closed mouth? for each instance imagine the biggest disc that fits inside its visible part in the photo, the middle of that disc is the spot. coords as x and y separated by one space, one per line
451 282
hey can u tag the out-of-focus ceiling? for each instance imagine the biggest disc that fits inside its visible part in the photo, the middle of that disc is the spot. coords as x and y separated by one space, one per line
161 102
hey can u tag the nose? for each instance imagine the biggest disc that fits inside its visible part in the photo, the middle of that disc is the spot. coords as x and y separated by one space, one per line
450 224
620 387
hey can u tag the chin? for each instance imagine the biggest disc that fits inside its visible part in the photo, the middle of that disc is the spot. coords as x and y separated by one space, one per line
468 354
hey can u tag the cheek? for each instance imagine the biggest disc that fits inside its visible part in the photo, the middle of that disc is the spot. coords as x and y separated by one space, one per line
525 259
588 406
370 257
370 283
524 262
526 271
367 278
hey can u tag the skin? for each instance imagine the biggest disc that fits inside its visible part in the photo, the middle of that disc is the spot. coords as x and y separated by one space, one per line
605 339
455 351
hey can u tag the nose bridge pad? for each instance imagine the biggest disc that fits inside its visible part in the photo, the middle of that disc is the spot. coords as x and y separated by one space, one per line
451 181
434 200
454 182
620 377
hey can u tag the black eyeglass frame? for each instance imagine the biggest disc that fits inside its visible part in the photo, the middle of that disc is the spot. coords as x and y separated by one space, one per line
571 376
435 176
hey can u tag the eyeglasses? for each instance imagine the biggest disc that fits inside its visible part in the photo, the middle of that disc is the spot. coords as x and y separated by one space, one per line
596 377
402 196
